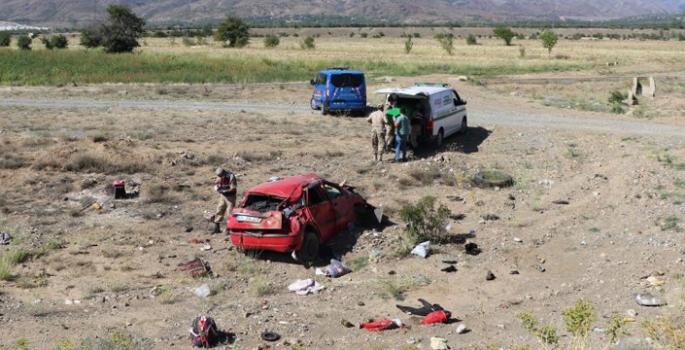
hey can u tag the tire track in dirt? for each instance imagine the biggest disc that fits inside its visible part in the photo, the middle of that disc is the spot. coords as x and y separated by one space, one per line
482 115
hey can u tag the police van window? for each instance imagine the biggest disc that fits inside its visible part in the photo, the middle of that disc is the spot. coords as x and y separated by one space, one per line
315 196
321 79
347 80
455 95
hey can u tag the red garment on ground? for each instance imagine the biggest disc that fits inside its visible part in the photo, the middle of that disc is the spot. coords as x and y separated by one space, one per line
379 325
436 317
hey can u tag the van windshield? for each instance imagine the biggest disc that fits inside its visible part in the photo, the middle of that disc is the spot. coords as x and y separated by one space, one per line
347 80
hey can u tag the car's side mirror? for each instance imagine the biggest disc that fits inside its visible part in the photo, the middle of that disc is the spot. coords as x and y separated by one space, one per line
311 82
463 102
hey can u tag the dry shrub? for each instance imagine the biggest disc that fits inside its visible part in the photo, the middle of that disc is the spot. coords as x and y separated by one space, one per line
158 192
10 161
102 164
259 156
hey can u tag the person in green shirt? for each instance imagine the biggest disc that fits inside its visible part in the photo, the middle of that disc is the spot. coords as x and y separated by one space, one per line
403 129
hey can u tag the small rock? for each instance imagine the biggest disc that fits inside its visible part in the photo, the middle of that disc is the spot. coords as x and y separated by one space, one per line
518 240
361 303
631 312
461 329
539 268
514 272
489 276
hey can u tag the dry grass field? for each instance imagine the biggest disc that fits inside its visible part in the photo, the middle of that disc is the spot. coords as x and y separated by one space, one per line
78 276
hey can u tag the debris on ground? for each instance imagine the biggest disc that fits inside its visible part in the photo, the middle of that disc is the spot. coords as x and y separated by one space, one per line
347 324
449 269
490 217
461 329
561 202
5 238
202 291
270 336
449 261
441 316
422 249
647 299
539 268
335 269
472 248
425 309
489 276
204 332
306 286
196 268
382 325
439 343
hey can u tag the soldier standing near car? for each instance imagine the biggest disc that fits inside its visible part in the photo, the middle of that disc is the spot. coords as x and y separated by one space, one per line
378 129
227 186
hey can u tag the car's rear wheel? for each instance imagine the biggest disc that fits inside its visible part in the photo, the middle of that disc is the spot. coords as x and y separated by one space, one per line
440 139
324 108
310 248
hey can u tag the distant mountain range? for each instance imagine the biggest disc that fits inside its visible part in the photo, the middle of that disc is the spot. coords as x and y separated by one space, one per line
80 13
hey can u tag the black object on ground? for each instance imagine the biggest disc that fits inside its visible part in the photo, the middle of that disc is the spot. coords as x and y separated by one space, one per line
270 336
489 276
563 202
472 248
424 310
449 269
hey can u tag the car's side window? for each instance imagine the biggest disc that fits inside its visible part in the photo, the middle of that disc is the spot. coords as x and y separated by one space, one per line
332 191
314 196
321 79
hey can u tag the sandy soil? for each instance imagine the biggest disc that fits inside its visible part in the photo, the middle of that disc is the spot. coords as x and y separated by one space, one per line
624 185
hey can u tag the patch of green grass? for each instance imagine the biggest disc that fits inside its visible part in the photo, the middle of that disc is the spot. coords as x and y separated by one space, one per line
96 67
670 223
358 263
260 286
593 229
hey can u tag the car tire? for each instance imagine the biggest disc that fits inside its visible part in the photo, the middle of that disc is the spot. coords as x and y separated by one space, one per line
310 248
324 109
492 178
464 126
313 105
440 139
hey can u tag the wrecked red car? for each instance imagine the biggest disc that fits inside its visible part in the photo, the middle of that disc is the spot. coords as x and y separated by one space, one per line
294 214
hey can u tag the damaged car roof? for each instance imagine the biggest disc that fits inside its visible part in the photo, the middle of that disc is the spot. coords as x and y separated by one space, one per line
287 187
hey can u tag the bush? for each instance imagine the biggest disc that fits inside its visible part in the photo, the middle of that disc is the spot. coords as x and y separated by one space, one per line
271 41
408 45
159 34
24 42
5 39
364 35
424 221
56 42
91 37
308 43
504 33
579 319
471 40
549 39
617 97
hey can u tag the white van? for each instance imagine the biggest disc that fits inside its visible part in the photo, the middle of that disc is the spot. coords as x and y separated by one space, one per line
436 109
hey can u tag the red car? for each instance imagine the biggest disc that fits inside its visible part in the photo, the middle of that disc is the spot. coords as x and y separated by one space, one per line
293 214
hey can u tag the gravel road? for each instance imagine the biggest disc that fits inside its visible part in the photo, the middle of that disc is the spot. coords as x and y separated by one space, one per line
479 114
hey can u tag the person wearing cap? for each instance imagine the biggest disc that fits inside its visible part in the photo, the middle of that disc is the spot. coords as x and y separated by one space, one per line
227 186
378 128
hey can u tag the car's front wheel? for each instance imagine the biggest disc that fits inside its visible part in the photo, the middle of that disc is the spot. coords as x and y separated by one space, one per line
310 248
312 104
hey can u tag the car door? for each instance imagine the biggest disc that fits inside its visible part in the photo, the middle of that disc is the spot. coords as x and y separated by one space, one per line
344 210
458 112
321 210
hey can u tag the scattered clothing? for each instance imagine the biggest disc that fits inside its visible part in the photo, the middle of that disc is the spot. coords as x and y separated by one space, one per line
304 287
424 310
436 317
382 325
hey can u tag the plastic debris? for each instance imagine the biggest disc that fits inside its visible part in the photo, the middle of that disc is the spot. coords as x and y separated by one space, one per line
335 269
201 291
439 343
304 287
206 247
647 299
5 238
461 329
422 249
653 281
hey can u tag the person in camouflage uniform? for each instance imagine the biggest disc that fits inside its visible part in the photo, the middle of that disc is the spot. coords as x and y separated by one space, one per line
379 125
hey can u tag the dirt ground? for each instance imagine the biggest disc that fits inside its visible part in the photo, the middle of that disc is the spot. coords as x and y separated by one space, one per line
110 274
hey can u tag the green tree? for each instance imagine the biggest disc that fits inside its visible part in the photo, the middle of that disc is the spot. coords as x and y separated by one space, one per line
549 39
207 30
504 33
5 39
121 32
471 40
55 42
271 41
24 42
233 32
447 42
91 37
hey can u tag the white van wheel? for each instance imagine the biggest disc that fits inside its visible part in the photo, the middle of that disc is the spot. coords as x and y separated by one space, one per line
312 104
440 138
464 125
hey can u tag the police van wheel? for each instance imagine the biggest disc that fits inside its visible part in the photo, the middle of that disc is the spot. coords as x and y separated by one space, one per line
440 139
464 126
312 104
324 110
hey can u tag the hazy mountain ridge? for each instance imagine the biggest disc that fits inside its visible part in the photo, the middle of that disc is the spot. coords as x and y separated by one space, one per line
78 13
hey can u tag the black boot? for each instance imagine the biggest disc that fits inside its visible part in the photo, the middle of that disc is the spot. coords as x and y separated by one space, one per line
217 228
